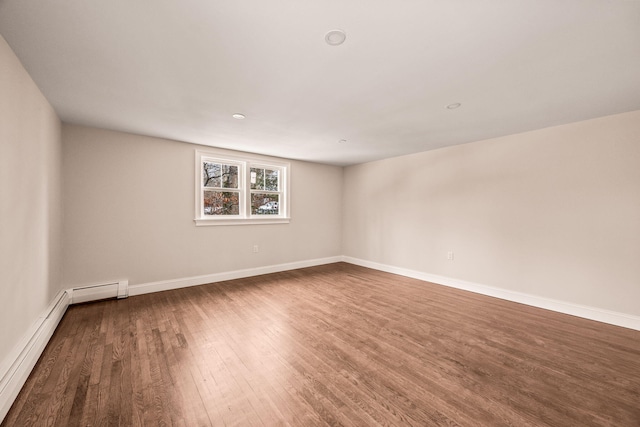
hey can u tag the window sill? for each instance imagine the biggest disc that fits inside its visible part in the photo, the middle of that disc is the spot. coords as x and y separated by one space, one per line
240 221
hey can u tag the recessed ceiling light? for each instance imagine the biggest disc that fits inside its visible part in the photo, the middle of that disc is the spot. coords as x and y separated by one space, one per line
238 116
335 37
342 141
453 106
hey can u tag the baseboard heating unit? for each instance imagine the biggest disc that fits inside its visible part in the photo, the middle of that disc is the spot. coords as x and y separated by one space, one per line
100 291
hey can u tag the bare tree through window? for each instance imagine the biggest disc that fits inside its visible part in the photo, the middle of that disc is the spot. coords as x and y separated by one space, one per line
215 178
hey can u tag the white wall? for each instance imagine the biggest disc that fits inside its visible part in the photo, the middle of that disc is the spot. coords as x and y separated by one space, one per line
553 213
129 210
30 203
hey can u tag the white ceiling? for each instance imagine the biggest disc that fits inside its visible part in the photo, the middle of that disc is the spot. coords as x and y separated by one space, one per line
180 69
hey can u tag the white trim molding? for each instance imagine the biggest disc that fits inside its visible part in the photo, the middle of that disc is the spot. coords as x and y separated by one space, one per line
165 285
586 312
17 366
246 221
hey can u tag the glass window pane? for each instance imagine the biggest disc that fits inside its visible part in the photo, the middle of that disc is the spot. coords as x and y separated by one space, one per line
211 173
271 179
257 179
265 204
221 203
229 176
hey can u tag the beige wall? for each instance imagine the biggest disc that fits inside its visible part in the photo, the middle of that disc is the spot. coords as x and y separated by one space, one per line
553 213
129 210
30 208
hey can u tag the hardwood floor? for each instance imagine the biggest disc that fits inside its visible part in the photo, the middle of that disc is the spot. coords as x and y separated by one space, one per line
330 345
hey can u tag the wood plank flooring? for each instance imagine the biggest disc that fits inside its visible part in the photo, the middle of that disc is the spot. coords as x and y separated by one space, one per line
331 345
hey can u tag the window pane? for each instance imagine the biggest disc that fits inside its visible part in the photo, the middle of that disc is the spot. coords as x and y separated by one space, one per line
221 203
265 179
257 179
229 176
271 179
265 204
211 174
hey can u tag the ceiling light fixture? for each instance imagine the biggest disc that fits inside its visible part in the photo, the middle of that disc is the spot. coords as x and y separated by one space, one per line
342 141
453 106
238 116
335 37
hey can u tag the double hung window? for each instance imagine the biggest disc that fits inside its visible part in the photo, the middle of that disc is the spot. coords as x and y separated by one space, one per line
232 190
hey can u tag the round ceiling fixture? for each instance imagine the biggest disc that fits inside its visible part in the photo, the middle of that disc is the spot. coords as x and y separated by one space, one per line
238 116
335 37
453 106
342 141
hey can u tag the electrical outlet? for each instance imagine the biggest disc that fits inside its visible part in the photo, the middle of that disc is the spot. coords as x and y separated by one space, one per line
450 255
256 249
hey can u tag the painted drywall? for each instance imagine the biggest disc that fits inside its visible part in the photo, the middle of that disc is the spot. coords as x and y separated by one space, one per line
553 213
30 202
129 211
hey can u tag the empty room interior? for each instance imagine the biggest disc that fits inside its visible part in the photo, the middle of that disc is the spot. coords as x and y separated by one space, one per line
352 213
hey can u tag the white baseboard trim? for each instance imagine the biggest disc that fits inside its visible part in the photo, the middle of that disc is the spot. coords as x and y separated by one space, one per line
17 366
165 285
591 313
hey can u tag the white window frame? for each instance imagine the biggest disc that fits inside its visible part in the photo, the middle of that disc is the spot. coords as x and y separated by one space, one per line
244 187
